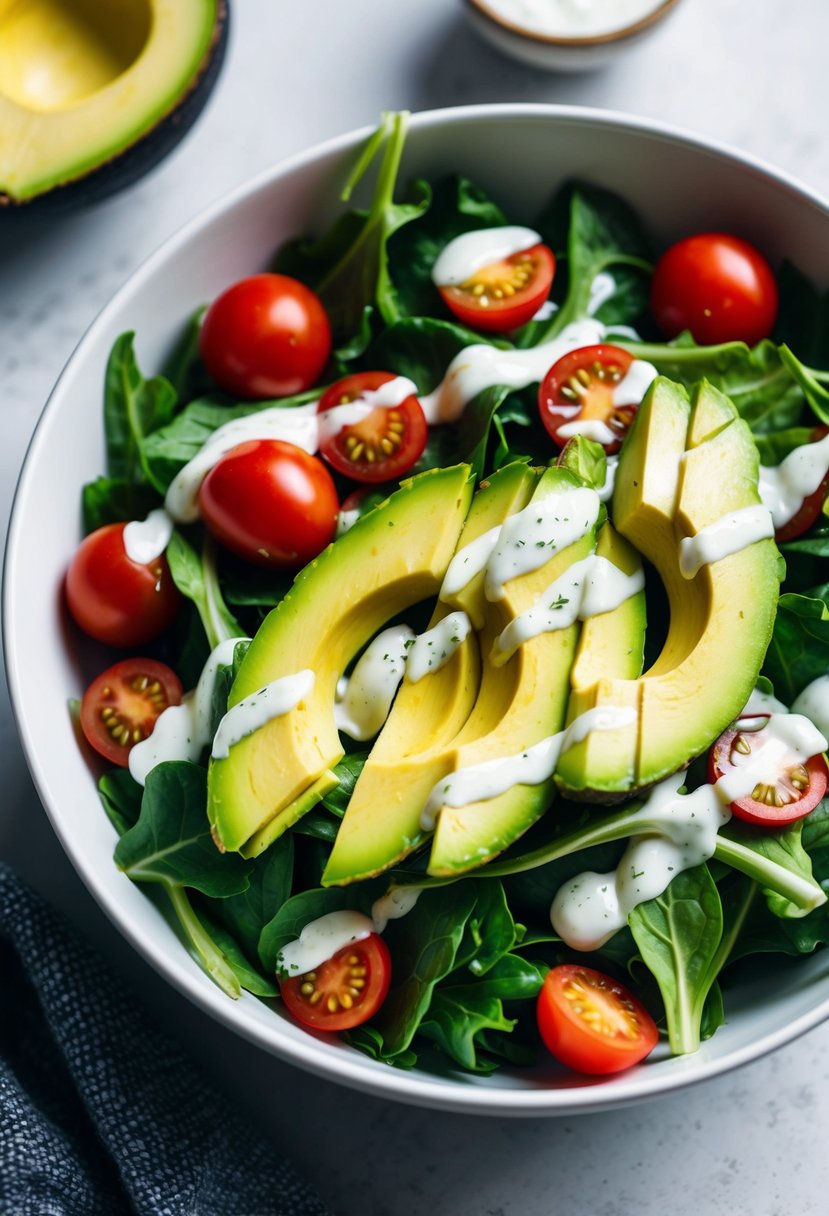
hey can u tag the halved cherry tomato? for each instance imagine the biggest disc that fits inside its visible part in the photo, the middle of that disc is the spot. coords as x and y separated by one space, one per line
717 286
382 444
790 790
266 336
592 1023
345 990
578 393
121 706
271 503
505 294
113 598
811 506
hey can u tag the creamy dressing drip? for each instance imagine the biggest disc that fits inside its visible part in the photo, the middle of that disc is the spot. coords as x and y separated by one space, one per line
321 939
590 428
635 383
601 290
182 731
528 539
470 252
146 539
784 487
813 702
591 907
468 562
387 397
572 18
253 712
433 649
725 536
480 782
364 698
395 903
590 587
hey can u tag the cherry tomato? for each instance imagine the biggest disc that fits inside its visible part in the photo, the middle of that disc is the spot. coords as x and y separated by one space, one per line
345 991
788 792
266 336
271 503
578 392
113 598
505 294
811 506
383 444
591 1023
121 706
717 286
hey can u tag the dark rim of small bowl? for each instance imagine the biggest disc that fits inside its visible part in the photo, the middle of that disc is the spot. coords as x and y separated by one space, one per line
593 40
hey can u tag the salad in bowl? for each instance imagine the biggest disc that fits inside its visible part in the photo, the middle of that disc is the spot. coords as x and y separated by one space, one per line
463 584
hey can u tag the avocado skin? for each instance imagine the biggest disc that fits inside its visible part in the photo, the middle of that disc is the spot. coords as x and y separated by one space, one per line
140 157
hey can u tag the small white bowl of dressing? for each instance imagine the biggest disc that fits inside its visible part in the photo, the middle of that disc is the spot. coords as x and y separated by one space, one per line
565 35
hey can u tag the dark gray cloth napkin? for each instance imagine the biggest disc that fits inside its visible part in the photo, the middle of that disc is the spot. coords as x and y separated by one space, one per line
100 1113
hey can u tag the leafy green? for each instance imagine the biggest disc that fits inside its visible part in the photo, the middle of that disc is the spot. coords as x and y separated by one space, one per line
585 460
298 911
490 933
133 407
121 797
813 390
109 501
775 447
803 316
196 578
246 914
184 369
799 649
248 975
347 771
777 853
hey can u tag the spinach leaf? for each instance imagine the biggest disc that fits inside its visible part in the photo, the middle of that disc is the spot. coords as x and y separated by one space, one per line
799 649
585 460
247 974
776 447
298 911
184 369
121 797
490 932
678 935
453 207
196 578
246 914
110 501
347 771
813 390
774 852
348 266
133 407
369 1040
171 842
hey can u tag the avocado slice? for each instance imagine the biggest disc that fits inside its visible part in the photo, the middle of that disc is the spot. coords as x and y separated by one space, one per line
414 749
522 701
393 557
96 93
685 466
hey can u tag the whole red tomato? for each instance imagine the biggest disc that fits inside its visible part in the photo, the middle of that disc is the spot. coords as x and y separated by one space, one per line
266 336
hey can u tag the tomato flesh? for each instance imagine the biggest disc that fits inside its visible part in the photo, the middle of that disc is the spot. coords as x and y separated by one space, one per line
504 294
716 285
121 706
791 788
266 336
577 396
115 599
383 444
345 991
811 506
591 1023
271 503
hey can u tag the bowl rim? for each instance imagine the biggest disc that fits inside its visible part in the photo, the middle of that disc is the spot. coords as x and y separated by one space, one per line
585 41
346 1067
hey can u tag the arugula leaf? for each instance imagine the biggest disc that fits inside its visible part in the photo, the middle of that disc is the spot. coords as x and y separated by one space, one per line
348 266
196 578
678 935
171 842
133 407
110 501
799 649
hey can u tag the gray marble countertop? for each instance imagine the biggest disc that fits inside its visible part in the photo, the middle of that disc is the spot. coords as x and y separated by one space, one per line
751 73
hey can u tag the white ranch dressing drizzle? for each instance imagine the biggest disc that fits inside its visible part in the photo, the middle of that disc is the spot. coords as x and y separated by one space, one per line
480 782
813 702
321 939
572 18
591 907
528 539
364 698
725 536
297 425
590 428
253 712
395 903
346 520
146 539
468 562
479 367
601 290
433 649
463 257
635 383
387 397
764 703
590 587
784 487
182 731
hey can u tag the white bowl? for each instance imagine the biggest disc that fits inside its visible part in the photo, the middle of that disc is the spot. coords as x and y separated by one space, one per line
678 184
557 52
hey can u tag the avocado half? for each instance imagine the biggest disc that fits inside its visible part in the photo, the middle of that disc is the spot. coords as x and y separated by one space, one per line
94 94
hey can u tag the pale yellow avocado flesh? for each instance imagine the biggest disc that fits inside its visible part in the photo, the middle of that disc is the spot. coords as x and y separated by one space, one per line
521 702
414 750
81 80
393 557
684 467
